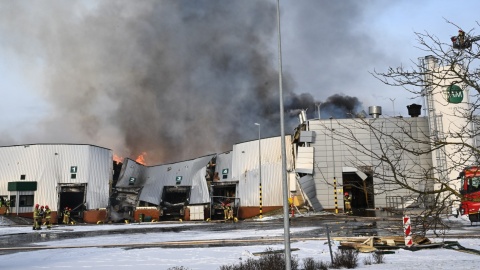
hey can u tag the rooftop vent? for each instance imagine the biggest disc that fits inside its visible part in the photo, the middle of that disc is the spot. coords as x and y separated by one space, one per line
375 111
414 110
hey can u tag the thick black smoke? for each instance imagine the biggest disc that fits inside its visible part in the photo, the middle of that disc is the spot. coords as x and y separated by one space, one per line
174 79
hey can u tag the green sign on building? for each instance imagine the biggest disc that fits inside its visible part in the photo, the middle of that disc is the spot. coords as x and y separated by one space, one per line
178 180
22 186
454 94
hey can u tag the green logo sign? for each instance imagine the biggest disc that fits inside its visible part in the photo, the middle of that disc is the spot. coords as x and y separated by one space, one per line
131 181
73 169
178 180
454 94
225 171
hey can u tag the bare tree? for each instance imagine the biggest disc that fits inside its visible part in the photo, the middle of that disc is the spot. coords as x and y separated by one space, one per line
418 159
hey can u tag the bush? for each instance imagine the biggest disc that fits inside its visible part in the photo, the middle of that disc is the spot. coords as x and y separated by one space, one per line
347 258
311 264
378 258
270 261
367 260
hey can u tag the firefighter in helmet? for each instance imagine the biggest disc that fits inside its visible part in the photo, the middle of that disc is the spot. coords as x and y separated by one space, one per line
66 216
48 216
7 207
36 217
41 215
348 203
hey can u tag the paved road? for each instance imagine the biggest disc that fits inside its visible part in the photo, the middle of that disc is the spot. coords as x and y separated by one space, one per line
314 226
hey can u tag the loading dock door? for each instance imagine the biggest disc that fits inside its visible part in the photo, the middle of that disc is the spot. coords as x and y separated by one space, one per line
72 196
360 190
223 193
174 201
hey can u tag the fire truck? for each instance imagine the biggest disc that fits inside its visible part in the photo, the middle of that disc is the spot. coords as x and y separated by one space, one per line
470 190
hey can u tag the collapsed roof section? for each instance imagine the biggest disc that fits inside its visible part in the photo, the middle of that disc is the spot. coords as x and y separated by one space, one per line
154 178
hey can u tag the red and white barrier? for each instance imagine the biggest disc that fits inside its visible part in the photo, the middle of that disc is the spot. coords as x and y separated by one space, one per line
407 229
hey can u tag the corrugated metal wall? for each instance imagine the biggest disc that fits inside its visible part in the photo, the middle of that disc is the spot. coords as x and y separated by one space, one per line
155 178
245 169
224 162
49 165
131 168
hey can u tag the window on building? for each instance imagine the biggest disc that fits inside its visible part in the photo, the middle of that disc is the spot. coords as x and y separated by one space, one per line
23 177
73 176
26 200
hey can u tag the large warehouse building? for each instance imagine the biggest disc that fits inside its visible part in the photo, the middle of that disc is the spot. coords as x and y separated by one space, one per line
366 157
57 175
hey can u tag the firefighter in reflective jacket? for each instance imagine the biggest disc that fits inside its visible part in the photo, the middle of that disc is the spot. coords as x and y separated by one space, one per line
66 216
348 203
7 207
36 218
48 217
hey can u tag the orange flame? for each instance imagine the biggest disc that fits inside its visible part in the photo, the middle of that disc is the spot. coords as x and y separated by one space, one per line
117 158
141 158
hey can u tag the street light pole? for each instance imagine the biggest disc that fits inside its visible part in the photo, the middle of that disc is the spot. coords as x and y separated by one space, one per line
286 207
260 169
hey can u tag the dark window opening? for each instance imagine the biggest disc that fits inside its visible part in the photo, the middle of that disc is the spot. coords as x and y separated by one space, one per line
13 199
225 176
73 176
26 200
23 177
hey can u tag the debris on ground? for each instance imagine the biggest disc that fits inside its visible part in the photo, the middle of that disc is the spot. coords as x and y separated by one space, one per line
375 243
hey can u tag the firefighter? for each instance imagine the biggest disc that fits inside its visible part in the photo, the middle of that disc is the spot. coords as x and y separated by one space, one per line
48 216
7 207
66 216
348 203
36 217
41 215
461 38
227 209
291 206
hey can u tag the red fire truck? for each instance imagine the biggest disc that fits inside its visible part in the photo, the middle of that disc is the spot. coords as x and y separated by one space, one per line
470 191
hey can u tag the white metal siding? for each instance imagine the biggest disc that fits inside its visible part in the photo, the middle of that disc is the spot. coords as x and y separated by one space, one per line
304 161
245 169
224 162
49 165
192 173
131 168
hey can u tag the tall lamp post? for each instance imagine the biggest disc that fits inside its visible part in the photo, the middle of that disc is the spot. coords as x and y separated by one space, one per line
286 220
260 169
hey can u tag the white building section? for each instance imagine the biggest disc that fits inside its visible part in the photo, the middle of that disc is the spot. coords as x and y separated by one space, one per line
245 170
449 112
57 175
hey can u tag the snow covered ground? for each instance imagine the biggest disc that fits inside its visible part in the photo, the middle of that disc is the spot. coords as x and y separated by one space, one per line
207 258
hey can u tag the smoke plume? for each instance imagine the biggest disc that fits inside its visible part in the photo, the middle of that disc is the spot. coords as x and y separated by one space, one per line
173 79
